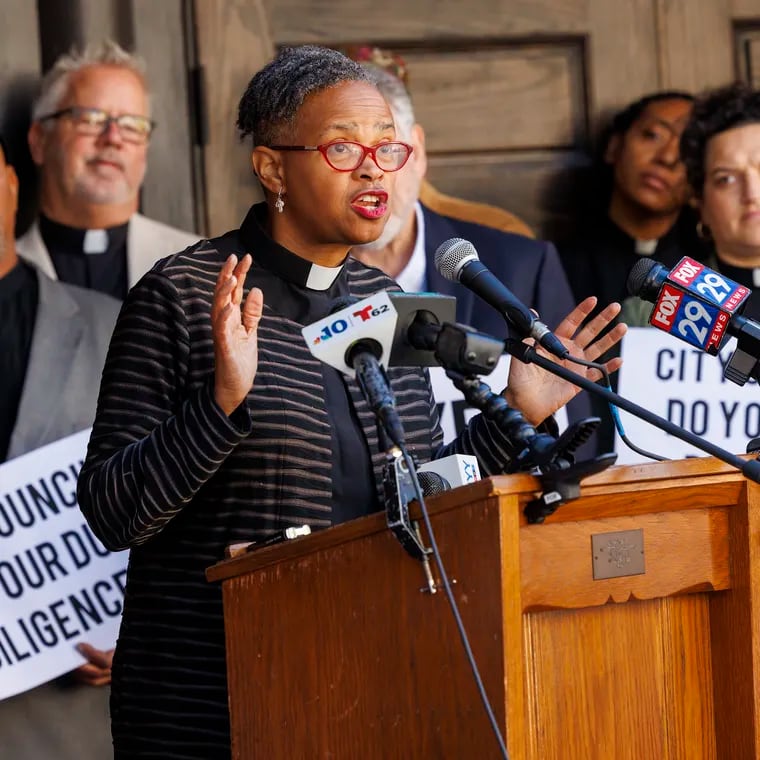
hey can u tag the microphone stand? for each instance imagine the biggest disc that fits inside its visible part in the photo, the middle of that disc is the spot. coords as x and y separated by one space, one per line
560 474
527 354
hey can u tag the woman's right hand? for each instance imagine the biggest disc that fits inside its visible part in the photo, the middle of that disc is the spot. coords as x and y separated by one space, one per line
235 329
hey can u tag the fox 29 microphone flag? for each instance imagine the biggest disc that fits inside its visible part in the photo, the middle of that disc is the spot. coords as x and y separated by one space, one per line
691 302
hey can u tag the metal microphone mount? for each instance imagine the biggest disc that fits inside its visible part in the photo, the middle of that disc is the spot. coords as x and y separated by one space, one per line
552 457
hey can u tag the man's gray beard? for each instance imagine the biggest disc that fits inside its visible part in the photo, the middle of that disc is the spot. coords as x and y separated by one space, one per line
103 196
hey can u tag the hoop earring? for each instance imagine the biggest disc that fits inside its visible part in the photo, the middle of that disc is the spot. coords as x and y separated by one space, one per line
279 204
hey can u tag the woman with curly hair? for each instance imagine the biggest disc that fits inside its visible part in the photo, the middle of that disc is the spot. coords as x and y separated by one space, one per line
721 150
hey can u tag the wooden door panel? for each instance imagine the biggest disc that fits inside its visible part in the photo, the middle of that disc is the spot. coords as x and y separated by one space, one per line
168 190
747 53
485 99
534 185
394 21
695 43
622 43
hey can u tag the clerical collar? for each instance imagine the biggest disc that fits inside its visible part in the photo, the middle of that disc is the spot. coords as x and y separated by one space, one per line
747 276
78 241
278 259
645 247
638 246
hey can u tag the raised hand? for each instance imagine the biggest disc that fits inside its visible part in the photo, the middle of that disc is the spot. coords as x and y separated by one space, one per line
235 328
536 392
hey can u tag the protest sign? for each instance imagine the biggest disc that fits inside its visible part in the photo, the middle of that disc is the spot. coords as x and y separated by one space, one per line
58 585
685 386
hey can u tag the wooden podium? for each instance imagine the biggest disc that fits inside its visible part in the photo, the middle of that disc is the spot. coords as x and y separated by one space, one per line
336 649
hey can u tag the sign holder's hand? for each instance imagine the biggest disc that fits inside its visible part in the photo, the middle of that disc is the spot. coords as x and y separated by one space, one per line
97 671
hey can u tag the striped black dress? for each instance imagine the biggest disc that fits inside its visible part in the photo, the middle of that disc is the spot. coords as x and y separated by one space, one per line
173 479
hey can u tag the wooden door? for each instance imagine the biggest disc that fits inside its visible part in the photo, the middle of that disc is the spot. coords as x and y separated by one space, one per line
509 91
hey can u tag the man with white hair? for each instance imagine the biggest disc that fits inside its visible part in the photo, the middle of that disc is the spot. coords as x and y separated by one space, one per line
406 248
89 137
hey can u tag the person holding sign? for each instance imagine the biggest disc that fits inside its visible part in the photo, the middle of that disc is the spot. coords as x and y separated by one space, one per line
215 423
49 329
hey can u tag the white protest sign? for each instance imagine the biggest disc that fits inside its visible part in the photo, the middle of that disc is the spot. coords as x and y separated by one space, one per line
453 410
685 386
58 586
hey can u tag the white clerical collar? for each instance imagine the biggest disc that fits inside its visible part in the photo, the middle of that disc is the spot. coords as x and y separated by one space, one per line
646 247
412 278
95 241
278 259
321 278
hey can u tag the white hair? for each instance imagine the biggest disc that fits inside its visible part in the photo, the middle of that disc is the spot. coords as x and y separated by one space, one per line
397 97
55 83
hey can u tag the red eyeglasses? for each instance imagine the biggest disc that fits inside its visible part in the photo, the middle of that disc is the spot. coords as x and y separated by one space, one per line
346 156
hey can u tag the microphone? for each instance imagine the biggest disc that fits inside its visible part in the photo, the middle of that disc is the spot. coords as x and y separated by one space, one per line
363 356
432 483
457 260
405 330
384 318
455 470
702 308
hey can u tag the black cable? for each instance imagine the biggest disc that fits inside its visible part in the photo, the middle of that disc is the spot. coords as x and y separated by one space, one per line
452 603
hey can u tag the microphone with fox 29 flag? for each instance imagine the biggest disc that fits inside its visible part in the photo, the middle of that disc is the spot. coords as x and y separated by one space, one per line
691 301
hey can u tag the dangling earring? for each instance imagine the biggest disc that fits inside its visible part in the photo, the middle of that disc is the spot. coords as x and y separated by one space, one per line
279 204
703 232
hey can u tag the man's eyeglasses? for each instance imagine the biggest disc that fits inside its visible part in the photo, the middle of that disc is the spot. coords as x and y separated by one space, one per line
347 156
95 121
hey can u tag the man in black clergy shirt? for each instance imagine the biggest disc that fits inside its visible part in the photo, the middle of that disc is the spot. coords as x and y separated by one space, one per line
89 137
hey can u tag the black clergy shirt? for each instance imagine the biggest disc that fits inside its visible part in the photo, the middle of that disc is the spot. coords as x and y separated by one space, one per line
18 311
285 291
94 259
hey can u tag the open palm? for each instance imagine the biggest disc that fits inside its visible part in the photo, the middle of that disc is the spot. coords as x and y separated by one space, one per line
235 326
538 393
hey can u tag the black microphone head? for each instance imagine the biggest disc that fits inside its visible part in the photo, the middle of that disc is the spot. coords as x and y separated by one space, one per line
432 483
452 255
646 278
638 274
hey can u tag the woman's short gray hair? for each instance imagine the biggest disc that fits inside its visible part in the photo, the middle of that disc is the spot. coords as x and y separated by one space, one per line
274 96
55 83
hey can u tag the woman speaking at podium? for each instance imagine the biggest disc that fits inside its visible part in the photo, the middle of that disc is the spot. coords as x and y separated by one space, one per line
215 424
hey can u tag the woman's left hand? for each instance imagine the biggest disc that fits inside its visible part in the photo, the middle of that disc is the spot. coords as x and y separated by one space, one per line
536 392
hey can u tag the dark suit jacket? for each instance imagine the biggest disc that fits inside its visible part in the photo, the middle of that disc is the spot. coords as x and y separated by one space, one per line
531 269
